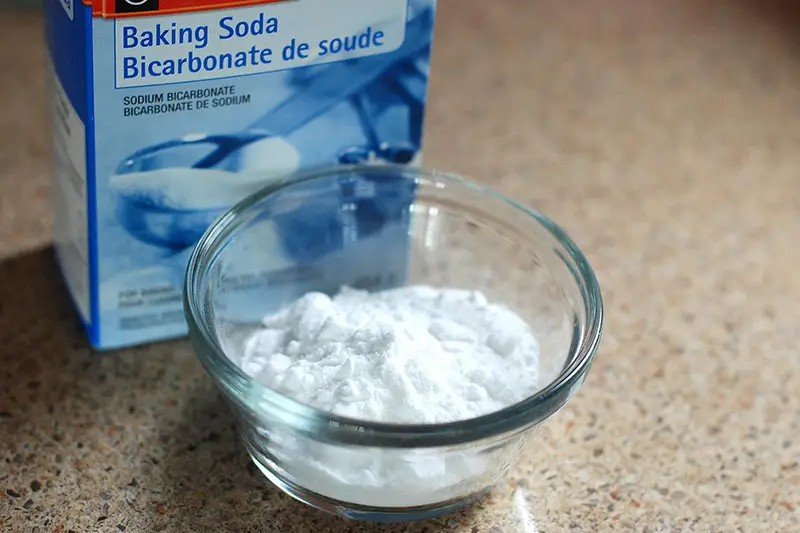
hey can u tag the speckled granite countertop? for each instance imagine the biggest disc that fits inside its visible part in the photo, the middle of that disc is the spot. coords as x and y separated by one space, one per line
663 135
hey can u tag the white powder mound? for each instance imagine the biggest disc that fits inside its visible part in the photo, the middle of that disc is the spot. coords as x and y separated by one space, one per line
409 355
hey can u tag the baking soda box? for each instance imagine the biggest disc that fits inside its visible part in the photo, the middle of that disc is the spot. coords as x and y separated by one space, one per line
165 113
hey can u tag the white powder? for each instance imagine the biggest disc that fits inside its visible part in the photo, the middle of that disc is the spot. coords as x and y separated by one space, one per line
409 355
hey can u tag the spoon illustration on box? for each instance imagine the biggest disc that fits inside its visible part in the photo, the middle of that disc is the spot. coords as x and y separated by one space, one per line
169 193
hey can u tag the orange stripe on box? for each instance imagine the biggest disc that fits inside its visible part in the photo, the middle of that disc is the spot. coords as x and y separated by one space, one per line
96 5
167 7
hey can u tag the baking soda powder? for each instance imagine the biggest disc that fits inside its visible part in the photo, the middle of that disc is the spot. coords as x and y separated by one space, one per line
409 355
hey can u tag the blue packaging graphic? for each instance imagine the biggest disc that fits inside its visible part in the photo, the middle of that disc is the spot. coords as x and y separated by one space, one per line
164 116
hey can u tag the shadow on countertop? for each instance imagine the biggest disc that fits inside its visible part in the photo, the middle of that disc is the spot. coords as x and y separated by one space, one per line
132 440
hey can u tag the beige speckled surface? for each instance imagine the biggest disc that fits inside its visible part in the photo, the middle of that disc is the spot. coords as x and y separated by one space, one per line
663 135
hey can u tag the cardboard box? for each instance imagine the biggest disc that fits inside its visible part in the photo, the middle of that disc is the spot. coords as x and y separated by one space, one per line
168 112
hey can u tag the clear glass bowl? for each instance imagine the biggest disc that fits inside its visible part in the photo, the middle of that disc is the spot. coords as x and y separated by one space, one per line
376 227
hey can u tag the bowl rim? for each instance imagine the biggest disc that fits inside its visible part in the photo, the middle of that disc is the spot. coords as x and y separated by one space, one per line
328 427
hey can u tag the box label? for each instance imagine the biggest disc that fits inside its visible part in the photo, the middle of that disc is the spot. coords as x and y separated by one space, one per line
253 40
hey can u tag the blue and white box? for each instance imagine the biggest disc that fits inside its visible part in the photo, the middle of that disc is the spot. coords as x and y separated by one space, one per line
168 112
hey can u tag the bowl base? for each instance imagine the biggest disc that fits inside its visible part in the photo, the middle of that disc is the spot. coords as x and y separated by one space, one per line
360 512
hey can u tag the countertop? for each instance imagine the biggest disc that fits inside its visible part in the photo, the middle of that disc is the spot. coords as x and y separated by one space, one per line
662 135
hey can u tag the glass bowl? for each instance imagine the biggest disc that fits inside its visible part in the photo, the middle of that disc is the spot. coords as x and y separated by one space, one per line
377 227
